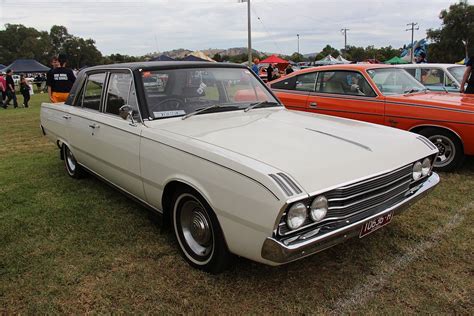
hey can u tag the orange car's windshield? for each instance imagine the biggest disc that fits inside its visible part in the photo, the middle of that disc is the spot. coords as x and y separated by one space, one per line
391 81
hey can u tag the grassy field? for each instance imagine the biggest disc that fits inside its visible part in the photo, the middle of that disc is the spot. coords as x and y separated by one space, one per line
76 246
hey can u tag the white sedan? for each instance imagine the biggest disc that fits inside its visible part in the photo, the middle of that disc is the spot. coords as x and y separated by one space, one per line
210 148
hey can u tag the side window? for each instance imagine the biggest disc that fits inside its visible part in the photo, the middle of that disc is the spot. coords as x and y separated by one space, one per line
117 92
344 82
432 76
285 84
306 82
93 91
411 71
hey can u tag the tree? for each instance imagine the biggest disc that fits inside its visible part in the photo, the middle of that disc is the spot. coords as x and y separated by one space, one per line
81 52
455 39
297 58
217 57
328 50
58 37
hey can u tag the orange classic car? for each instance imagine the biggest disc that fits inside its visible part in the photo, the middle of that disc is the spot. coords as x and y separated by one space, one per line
385 95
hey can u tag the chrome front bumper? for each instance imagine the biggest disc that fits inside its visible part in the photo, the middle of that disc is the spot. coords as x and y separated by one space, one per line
279 253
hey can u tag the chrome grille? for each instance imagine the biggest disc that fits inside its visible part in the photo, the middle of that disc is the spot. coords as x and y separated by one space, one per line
360 197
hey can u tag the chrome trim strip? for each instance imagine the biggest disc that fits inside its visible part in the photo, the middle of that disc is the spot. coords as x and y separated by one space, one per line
379 176
340 138
368 191
430 107
290 182
277 252
281 184
369 198
426 142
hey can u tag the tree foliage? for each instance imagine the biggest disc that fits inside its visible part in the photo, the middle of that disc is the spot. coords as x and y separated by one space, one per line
455 39
328 50
18 41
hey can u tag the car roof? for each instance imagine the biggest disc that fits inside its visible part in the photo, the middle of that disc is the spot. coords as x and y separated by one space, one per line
166 65
357 67
439 65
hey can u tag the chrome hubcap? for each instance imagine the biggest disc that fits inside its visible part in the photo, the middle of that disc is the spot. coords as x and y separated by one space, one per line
446 148
195 225
71 162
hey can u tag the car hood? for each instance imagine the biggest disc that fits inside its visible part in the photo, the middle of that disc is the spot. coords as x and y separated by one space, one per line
317 151
441 99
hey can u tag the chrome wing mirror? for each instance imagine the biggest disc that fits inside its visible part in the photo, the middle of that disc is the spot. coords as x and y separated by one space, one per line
126 112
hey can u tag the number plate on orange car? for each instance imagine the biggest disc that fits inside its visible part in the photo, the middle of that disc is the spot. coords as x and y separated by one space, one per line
374 224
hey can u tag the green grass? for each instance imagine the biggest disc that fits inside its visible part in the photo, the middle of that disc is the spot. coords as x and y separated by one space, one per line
76 246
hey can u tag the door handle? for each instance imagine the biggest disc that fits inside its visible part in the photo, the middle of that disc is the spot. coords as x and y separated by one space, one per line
67 117
313 104
94 126
392 121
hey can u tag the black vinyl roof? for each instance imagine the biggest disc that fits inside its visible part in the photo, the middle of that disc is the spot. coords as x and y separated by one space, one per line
166 65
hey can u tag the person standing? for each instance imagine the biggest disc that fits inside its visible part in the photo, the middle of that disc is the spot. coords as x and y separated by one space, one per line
3 87
10 90
54 64
289 69
24 90
269 73
468 78
60 81
256 61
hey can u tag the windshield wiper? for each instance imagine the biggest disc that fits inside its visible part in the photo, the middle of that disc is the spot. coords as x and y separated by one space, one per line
201 110
257 104
413 90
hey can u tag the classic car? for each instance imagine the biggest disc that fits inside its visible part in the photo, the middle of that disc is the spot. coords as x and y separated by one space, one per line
230 169
389 96
437 77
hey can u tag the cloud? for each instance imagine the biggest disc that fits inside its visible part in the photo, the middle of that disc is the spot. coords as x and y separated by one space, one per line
142 26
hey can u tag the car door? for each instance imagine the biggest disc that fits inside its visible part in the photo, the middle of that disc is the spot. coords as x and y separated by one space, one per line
116 141
84 122
346 94
293 93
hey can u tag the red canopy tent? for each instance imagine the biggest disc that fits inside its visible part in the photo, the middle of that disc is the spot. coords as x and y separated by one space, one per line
274 59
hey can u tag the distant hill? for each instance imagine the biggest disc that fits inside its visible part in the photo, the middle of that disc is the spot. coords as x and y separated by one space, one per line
182 52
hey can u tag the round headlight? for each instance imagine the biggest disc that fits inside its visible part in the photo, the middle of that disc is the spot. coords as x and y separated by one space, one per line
417 167
296 216
319 208
425 166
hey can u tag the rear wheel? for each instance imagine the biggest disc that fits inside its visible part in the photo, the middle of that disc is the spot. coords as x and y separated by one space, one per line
73 169
451 153
198 232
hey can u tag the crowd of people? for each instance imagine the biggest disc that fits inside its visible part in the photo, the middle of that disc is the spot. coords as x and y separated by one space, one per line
59 81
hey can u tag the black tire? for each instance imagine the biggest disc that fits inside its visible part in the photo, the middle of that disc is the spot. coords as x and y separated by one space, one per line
198 233
451 153
73 169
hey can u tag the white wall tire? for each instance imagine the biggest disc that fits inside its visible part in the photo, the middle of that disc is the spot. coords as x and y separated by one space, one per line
73 169
198 232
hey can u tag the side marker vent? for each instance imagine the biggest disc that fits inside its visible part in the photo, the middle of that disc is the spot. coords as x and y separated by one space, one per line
286 183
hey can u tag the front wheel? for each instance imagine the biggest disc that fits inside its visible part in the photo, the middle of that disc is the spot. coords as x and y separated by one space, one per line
73 169
198 233
451 153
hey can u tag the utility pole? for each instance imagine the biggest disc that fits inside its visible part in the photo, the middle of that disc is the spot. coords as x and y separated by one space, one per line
298 36
249 31
412 29
344 31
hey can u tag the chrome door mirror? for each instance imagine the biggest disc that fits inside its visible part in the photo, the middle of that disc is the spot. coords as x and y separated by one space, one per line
126 112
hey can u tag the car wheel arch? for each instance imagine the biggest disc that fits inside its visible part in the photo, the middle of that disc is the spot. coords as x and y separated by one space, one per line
418 128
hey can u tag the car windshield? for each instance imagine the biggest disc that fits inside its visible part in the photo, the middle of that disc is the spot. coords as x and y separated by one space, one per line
178 92
392 81
457 72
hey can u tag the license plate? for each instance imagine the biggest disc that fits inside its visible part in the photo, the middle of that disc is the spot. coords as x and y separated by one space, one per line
374 224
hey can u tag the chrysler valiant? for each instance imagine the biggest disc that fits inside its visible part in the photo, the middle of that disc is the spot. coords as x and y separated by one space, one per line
232 171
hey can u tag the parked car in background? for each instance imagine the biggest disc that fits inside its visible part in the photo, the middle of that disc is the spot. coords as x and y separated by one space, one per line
212 149
389 96
437 77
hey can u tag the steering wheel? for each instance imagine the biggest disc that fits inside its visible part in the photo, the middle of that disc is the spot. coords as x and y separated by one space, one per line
171 104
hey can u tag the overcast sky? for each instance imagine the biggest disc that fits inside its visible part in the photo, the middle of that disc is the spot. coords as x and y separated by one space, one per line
144 26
